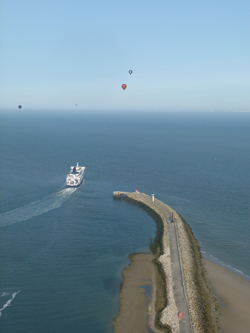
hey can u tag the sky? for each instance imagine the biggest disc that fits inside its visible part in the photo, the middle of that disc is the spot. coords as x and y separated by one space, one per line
185 55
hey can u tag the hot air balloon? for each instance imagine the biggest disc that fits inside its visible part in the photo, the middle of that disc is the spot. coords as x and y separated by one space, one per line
19 106
130 72
124 86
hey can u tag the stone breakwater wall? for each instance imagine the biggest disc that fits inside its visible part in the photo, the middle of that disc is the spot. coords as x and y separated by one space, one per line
202 303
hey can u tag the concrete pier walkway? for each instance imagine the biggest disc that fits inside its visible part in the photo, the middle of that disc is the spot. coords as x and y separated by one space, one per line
178 281
176 263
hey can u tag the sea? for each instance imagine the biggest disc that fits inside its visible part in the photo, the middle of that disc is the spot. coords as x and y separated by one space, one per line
63 250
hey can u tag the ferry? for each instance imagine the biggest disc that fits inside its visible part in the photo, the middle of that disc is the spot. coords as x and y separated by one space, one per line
75 176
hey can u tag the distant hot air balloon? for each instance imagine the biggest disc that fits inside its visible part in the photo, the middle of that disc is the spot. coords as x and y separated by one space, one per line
124 86
19 106
130 72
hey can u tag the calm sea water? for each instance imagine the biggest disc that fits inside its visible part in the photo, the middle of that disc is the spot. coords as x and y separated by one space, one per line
63 250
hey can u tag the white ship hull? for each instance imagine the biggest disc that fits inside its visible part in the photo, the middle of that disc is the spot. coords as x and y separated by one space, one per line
75 176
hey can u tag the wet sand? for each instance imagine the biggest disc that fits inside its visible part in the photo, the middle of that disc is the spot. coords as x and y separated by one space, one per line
234 293
136 312
136 296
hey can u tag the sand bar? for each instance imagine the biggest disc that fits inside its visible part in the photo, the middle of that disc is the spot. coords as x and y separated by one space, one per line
234 293
232 289
136 297
135 304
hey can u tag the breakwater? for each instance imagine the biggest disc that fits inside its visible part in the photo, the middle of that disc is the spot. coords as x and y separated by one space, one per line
188 294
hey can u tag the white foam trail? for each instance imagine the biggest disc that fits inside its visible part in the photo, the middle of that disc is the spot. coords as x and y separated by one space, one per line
9 301
51 201
221 263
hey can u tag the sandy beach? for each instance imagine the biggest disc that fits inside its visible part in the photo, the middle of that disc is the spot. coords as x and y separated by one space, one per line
136 313
234 293
142 287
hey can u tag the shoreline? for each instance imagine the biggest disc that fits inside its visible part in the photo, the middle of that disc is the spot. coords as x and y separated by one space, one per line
233 291
186 286
137 296
207 284
137 312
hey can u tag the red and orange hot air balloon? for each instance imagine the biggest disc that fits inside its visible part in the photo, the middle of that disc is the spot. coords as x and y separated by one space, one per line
124 86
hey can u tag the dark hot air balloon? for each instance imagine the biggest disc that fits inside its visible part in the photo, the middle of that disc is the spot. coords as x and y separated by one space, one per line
19 106
124 86
130 72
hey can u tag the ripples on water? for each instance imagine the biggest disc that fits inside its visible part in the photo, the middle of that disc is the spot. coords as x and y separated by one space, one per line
36 208
65 249
8 297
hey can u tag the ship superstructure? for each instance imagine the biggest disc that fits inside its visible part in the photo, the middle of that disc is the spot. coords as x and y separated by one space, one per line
75 176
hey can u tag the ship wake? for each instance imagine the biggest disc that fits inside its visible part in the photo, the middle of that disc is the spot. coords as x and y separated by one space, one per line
51 201
9 298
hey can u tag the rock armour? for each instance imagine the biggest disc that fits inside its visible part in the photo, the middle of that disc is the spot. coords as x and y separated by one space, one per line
204 318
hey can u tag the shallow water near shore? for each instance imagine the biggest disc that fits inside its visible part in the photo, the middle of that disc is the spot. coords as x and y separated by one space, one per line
63 250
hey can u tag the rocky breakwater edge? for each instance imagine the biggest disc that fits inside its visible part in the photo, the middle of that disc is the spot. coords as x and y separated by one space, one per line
203 305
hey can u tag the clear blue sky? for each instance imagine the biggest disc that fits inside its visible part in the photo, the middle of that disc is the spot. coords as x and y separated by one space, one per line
185 55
